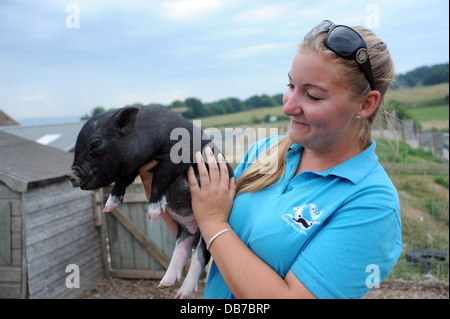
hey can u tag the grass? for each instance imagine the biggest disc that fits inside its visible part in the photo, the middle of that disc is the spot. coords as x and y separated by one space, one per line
427 105
443 181
425 222
246 118
399 152
433 117
431 113
420 96
424 201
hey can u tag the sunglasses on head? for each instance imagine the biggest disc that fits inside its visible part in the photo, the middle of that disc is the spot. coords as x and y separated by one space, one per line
347 43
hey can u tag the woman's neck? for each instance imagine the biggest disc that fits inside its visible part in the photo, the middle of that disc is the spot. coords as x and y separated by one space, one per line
319 161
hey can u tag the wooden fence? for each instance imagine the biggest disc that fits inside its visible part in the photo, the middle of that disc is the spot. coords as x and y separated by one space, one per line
135 247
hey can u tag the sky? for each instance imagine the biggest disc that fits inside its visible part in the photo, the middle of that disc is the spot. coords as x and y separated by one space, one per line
62 58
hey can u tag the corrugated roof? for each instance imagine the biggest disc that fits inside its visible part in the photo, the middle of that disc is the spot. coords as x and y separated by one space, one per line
5 119
61 136
25 164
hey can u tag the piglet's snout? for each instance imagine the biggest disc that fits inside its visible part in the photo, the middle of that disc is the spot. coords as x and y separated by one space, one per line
75 177
74 180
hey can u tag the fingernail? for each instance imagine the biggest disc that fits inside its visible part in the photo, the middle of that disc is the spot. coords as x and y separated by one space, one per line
220 157
208 150
198 157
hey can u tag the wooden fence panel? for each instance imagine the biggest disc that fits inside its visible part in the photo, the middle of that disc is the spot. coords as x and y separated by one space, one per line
137 248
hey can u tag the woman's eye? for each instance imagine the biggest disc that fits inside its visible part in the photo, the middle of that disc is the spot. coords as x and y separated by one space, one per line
312 97
290 86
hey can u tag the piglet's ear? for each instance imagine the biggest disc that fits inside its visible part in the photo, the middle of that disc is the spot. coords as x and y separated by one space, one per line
125 118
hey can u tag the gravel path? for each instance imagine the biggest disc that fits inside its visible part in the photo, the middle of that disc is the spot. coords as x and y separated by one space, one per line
426 288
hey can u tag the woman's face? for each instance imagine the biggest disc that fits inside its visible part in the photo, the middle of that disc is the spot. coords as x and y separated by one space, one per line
318 104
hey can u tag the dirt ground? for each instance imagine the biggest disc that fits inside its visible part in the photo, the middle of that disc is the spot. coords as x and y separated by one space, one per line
427 288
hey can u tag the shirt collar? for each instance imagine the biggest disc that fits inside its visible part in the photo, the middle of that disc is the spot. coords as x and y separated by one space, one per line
354 169
296 147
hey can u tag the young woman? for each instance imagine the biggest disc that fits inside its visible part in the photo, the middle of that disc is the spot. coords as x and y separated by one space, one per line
326 222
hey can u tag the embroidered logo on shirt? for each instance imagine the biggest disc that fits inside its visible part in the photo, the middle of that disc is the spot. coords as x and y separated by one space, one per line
304 217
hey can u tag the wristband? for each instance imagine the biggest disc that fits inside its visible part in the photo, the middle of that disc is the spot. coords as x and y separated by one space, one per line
215 236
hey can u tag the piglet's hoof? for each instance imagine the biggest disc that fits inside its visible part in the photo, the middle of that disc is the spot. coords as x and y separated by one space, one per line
187 288
169 280
155 209
111 204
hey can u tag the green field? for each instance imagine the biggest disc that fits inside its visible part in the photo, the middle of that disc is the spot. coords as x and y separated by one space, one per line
431 117
420 96
427 105
244 119
431 113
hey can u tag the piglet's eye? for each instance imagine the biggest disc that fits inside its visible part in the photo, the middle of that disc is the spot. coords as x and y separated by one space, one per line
95 145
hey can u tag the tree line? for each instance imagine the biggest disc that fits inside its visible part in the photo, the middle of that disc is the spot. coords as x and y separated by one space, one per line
193 107
425 75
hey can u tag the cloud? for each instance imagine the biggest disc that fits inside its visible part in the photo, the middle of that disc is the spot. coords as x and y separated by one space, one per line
162 96
190 9
32 98
262 14
246 52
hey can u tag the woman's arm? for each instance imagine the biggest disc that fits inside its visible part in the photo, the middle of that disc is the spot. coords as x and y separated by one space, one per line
147 177
246 275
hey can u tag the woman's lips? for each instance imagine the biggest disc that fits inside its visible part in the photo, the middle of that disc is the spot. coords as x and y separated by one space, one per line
297 123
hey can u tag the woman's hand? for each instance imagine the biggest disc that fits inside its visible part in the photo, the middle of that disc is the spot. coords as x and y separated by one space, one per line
147 177
213 200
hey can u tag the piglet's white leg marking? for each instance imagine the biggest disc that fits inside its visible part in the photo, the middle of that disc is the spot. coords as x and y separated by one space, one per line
181 254
190 283
188 221
154 209
112 203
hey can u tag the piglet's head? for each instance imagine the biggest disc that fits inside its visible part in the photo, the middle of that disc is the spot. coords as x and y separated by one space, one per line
99 157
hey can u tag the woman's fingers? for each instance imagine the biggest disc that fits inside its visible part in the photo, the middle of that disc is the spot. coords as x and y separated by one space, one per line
193 184
202 171
232 187
146 168
214 174
224 177
147 176
225 180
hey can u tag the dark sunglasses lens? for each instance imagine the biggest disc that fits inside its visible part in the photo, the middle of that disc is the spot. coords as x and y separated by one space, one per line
344 41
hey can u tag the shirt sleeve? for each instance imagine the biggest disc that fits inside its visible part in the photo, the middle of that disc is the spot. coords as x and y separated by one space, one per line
355 249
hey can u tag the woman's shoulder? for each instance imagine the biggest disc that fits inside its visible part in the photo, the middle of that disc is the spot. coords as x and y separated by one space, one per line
255 151
259 147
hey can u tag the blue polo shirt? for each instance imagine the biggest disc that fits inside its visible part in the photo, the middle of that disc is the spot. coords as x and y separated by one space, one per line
338 230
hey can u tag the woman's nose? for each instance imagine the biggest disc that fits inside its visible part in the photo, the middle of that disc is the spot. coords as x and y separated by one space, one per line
291 104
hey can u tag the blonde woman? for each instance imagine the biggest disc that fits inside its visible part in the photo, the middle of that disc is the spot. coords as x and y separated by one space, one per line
326 222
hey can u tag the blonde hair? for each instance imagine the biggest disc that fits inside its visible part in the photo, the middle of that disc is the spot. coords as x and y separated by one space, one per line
255 178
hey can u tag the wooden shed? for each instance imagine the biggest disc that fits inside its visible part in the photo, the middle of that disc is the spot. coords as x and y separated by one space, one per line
49 244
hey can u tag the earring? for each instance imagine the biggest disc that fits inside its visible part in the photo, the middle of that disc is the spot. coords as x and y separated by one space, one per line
359 117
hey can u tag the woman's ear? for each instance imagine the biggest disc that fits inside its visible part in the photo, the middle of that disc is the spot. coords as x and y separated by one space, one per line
369 104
